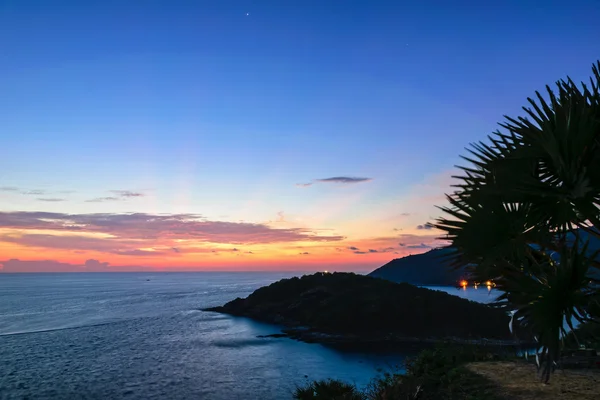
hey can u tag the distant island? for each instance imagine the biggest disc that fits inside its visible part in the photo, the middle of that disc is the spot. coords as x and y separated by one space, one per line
345 308
427 269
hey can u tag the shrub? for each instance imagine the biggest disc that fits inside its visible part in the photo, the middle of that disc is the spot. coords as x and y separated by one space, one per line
330 389
435 374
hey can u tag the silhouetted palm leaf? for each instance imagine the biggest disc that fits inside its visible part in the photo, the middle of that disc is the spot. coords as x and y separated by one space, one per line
523 193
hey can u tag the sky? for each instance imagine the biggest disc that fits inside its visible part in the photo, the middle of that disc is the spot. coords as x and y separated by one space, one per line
256 135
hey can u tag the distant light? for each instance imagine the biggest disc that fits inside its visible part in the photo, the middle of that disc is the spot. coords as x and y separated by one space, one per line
247 14
325 272
464 283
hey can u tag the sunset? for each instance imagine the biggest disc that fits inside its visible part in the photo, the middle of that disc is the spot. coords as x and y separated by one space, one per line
337 229
299 199
148 146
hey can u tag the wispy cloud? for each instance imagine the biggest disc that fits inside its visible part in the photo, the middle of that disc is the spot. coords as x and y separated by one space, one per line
344 179
50 199
420 246
426 226
117 195
91 265
280 217
356 250
102 199
9 189
127 193
139 253
336 179
143 234
34 192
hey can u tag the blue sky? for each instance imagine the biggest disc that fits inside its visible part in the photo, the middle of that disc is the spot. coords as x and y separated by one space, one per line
221 107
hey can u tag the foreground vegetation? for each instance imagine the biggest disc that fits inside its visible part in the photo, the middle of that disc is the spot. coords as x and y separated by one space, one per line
346 308
435 374
461 373
587 335
525 208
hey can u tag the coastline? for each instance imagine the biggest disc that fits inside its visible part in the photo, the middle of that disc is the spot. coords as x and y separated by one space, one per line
385 342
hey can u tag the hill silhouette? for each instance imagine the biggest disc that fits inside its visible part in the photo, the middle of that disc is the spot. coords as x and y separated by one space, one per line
350 308
427 269
432 268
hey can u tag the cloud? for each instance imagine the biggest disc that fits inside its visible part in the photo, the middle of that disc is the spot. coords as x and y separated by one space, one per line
120 195
91 265
419 246
127 193
96 265
336 179
405 214
50 199
305 253
234 249
77 242
139 253
401 244
426 226
344 179
34 192
9 189
280 217
397 229
175 249
103 199
147 235
356 250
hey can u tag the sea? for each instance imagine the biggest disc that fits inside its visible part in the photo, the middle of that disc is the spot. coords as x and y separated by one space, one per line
144 336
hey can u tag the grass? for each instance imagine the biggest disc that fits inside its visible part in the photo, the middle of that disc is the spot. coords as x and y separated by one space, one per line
519 381
454 372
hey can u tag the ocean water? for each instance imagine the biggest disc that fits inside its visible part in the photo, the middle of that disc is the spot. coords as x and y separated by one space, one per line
143 336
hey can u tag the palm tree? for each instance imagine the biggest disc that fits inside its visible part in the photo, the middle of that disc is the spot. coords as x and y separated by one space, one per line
525 207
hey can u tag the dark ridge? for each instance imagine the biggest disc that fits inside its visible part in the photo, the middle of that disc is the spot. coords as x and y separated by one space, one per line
344 307
427 269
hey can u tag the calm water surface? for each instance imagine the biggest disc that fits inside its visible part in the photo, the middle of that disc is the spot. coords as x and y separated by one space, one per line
142 336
